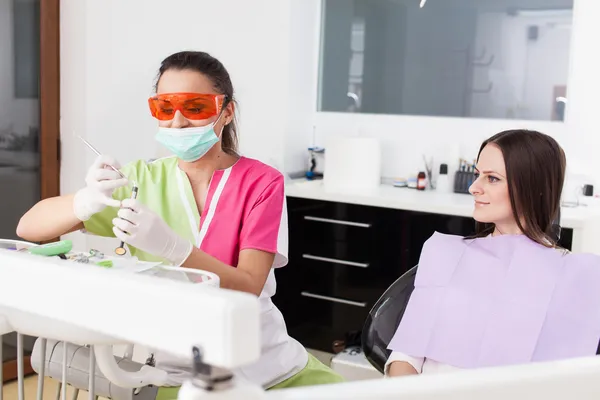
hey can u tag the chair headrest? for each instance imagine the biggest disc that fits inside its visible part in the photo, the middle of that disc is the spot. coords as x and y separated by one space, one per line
556 228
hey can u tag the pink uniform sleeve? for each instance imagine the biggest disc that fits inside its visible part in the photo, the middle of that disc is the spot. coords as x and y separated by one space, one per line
265 226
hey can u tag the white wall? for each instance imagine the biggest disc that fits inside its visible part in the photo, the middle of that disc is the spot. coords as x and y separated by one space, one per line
303 28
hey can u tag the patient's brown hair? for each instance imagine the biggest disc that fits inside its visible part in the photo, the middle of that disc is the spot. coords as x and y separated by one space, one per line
535 172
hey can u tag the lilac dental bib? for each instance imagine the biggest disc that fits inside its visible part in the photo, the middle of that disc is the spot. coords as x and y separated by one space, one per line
499 301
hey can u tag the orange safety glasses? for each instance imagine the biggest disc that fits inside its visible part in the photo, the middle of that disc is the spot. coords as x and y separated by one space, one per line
196 106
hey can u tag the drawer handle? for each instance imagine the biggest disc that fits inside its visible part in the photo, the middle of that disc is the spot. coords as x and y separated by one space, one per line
336 261
334 299
337 221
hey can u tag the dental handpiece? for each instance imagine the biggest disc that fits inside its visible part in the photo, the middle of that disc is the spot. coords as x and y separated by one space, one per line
121 251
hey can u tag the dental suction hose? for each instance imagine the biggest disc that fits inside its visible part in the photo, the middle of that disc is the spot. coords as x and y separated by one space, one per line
147 375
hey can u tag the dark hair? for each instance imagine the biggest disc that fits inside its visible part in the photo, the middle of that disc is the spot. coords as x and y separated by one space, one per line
213 69
535 172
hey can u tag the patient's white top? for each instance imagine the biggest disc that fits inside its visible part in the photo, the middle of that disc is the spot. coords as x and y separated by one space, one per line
421 364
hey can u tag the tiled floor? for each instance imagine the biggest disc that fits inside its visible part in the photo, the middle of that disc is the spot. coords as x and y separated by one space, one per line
50 390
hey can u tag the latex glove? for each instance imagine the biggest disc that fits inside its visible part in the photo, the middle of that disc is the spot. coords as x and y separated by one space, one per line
139 226
101 182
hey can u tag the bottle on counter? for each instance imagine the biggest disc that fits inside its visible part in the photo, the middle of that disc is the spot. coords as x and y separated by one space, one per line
421 181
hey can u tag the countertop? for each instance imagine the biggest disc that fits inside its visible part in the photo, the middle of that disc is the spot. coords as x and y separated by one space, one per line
429 201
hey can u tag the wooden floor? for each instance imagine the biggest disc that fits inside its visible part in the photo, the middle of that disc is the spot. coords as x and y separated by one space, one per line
50 390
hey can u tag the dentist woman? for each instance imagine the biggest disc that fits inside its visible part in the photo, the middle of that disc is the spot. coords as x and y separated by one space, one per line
206 207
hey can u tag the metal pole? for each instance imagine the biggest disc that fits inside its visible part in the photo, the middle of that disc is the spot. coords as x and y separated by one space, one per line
20 367
64 372
42 374
92 373
58 390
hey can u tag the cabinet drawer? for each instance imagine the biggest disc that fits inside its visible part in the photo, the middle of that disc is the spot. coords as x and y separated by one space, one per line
324 321
303 295
335 214
323 230
320 222
337 254
353 285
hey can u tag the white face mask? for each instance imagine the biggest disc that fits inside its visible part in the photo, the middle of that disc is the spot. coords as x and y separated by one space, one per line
188 144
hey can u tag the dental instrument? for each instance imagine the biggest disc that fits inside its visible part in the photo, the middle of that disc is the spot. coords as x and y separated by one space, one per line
220 332
88 144
121 250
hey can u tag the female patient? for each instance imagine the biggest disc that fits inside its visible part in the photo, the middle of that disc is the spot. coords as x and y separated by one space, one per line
506 295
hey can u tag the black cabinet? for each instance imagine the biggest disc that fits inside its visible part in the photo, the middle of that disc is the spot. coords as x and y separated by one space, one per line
342 257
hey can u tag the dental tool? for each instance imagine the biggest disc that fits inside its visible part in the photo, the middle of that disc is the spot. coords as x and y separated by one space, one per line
121 250
88 144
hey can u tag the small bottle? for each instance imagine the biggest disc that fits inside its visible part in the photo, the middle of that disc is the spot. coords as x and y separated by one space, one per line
421 181
443 181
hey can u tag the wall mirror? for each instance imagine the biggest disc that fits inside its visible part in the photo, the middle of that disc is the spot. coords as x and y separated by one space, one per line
504 59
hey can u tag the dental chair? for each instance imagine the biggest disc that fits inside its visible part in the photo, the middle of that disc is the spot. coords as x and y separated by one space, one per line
386 314
94 367
220 332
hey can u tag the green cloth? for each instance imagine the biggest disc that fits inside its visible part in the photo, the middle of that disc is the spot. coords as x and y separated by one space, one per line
167 393
315 373
158 189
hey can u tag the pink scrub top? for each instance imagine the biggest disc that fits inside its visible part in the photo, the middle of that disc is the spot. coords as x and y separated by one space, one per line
244 209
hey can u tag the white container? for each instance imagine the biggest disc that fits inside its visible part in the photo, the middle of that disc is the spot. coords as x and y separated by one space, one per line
442 184
352 165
